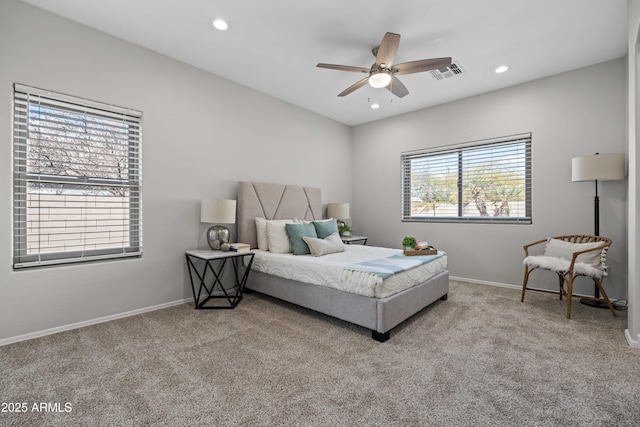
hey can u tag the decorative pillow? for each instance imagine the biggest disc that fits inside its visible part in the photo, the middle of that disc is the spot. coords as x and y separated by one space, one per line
277 236
561 249
261 233
325 227
329 245
296 232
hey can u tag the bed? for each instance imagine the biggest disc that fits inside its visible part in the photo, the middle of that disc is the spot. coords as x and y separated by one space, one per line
379 314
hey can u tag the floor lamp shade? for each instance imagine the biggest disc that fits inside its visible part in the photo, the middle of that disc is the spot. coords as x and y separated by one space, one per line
218 212
601 167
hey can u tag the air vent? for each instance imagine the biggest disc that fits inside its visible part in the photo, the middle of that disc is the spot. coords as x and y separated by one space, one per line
446 72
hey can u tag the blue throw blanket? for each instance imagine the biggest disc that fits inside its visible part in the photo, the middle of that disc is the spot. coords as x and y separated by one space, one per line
385 267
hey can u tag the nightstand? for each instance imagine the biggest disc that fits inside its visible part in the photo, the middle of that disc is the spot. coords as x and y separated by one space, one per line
354 239
210 286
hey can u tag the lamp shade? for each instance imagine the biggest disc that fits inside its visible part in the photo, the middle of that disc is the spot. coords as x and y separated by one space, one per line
218 211
338 210
601 167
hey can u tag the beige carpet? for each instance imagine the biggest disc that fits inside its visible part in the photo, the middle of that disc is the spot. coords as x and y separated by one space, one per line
480 358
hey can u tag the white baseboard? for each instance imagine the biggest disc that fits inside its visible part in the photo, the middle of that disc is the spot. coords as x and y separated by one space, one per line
505 285
633 343
483 282
77 325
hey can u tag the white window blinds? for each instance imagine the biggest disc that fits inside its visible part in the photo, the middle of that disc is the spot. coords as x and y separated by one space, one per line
76 179
486 181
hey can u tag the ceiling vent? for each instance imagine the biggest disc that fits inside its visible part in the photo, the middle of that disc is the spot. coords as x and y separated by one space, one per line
446 72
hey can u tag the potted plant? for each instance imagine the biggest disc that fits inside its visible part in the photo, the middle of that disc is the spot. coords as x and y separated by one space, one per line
344 230
409 243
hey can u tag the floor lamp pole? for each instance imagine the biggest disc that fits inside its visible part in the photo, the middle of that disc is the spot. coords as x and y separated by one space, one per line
596 226
596 212
596 232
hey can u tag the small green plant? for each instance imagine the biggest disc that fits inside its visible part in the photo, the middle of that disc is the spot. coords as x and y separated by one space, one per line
344 229
409 242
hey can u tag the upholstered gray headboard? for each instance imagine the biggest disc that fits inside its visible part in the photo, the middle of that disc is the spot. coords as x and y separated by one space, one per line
274 201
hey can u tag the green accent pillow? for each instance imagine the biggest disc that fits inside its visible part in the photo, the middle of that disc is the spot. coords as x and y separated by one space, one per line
325 228
296 232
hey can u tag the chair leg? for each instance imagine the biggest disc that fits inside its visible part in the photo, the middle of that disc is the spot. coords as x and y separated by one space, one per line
604 295
525 280
569 294
561 282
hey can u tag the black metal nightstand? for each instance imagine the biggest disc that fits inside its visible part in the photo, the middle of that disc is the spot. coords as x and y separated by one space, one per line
354 239
232 295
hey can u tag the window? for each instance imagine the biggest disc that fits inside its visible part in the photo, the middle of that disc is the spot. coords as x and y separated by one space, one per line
487 181
76 180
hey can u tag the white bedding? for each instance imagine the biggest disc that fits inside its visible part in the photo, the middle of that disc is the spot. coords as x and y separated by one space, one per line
328 270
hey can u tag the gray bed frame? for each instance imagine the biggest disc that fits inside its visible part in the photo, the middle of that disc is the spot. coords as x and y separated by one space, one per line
276 201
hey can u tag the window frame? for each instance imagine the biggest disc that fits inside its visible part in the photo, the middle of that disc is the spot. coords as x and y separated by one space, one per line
460 149
24 98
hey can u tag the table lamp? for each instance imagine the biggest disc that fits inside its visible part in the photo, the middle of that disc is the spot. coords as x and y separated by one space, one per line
218 212
339 211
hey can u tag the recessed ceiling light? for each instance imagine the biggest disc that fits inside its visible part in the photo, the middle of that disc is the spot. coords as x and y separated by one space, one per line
502 69
375 105
219 24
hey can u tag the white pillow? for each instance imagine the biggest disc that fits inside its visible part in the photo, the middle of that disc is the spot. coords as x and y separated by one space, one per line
561 249
323 220
261 230
329 245
261 233
277 237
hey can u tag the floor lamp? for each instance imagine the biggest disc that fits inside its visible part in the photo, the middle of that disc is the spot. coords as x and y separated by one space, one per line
598 167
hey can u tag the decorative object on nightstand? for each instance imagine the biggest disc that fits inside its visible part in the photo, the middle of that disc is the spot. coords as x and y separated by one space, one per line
218 212
344 230
239 247
603 167
340 211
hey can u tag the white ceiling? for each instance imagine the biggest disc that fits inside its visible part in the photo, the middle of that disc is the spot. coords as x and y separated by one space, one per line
274 46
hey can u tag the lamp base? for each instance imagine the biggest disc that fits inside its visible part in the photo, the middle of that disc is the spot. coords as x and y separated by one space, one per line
592 303
216 236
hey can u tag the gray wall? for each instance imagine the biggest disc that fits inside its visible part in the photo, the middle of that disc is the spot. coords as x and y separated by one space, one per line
201 134
571 114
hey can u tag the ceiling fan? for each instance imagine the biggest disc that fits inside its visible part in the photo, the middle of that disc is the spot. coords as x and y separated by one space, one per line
382 73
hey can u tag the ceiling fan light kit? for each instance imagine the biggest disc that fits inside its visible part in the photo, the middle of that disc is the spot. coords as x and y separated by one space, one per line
381 74
380 79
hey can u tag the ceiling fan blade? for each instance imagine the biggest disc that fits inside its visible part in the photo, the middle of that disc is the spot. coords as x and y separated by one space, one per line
387 49
397 88
421 65
344 68
354 87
